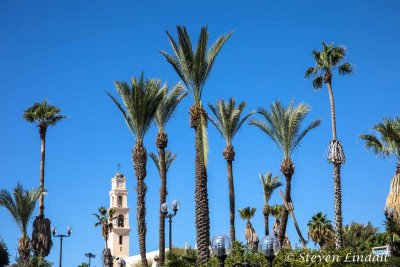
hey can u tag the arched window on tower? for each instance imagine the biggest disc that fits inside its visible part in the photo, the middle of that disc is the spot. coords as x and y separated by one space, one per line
119 201
121 220
120 239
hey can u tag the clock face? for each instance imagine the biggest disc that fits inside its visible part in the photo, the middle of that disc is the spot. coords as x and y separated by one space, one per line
119 184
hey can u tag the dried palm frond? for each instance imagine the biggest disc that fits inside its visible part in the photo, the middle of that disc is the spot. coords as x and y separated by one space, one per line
336 152
393 198
41 236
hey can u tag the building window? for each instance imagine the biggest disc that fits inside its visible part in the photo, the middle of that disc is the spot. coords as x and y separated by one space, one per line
119 201
120 239
121 220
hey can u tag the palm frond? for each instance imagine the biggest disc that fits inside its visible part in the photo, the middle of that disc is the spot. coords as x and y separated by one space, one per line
228 118
20 203
43 114
283 125
388 140
193 65
168 104
326 60
141 101
269 184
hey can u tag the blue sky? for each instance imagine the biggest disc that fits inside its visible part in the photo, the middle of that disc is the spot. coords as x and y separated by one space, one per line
71 53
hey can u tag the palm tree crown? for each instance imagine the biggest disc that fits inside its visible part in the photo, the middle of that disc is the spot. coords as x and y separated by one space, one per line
194 65
228 118
388 141
105 219
269 184
21 204
44 114
327 60
247 213
283 125
169 104
141 100
320 229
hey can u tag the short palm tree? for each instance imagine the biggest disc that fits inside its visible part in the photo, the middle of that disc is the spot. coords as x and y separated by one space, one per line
21 204
320 230
269 184
387 143
105 219
44 115
165 111
327 60
141 101
194 66
228 120
283 126
249 232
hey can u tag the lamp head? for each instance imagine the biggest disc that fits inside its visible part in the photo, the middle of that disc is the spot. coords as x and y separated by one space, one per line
175 206
69 231
221 245
53 231
269 246
164 208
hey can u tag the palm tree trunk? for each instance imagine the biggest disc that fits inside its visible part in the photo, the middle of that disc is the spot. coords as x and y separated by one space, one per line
23 248
338 206
287 169
333 116
336 176
42 131
201 193
161 143
296 225
266 219
398 167
139 162
229 155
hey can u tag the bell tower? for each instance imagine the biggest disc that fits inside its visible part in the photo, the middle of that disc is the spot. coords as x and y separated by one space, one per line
118 241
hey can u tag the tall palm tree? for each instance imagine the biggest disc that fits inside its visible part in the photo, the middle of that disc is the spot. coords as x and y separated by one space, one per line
162 168
249 232
387 143
283 126
164 113
194 66
141 101
44 115
105 219
327 60
228 120
320 230
21 204
269 185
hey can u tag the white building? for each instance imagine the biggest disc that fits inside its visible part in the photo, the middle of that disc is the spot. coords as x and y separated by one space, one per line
118 241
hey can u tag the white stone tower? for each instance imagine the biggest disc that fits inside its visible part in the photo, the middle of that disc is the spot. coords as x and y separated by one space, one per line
119 237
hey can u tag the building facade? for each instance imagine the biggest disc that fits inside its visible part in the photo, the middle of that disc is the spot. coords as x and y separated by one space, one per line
118 241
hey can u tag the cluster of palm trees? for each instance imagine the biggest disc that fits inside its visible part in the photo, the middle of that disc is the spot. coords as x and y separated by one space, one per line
146 100
21 202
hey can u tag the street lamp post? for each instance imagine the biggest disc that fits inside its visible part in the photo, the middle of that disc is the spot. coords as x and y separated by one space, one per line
69 231
166 210
389 214
221 246
269 247
90 256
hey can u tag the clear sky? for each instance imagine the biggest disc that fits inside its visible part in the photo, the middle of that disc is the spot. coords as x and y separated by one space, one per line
71 52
